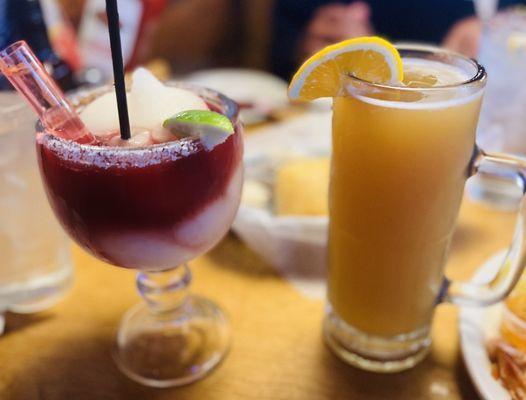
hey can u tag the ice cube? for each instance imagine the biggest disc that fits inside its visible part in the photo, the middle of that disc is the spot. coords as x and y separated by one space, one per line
161 135
150 102
116 141
140 139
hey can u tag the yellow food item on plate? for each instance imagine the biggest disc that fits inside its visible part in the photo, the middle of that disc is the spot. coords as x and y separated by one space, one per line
301 187
513 326
516 302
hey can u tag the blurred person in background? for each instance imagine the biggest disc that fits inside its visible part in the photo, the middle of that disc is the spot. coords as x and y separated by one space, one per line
194 34
188 34
303 27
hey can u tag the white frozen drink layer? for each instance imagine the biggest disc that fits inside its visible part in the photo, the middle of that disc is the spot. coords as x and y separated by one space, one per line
194 236
150 102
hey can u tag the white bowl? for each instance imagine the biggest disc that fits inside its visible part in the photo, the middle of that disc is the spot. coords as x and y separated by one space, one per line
295 245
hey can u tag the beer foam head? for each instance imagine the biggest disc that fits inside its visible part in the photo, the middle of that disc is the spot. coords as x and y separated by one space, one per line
427 84
428 73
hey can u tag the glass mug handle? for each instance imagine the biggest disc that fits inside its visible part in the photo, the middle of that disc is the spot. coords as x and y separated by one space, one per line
471 294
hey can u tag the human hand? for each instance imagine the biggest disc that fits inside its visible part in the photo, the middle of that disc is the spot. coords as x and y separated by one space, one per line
464 36
333 23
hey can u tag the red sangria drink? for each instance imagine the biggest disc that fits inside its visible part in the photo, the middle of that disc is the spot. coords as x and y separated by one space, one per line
149 206
153 202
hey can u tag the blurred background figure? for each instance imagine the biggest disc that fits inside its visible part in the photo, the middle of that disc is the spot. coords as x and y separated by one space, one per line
179 36
303 27
26 19
185 34
182 36
273 35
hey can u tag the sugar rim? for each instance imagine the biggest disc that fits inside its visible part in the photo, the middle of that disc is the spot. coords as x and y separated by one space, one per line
119 157
183 147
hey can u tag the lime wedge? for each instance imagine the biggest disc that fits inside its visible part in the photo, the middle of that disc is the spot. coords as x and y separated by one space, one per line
209 126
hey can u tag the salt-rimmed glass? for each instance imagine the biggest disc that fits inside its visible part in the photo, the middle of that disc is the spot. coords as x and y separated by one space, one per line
154 209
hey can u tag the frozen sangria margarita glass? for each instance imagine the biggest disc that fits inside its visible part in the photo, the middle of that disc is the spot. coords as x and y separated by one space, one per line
403 131
153 203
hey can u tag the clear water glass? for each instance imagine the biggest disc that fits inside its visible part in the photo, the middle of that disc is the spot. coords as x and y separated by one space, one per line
502 125
36 267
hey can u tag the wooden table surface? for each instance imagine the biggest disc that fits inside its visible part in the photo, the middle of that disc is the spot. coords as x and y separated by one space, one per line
277 351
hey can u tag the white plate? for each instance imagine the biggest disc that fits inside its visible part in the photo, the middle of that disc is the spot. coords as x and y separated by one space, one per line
477 326
265 92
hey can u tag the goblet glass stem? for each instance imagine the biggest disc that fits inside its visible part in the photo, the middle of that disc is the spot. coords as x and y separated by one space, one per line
165 290
172 338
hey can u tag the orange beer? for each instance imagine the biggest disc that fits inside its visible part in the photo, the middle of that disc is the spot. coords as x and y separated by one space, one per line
403 146
398 173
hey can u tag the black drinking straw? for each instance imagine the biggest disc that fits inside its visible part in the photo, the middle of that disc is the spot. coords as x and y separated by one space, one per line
112 13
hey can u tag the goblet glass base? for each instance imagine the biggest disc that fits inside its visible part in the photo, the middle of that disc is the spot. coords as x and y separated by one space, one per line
371 352
171 346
